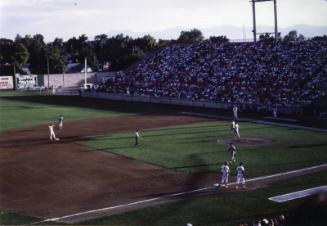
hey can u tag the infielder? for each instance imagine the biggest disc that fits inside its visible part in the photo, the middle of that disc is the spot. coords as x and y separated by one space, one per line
235 112
236 130
52 135
232 151
240 179
232 128
136 136
61 121
224 169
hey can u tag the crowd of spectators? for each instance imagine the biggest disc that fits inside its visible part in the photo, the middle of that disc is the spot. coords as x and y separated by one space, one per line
288 74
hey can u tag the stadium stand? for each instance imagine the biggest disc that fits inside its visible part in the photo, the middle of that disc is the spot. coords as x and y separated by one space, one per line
263 74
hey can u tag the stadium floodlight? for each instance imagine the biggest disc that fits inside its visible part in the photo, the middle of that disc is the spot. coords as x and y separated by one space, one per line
254 19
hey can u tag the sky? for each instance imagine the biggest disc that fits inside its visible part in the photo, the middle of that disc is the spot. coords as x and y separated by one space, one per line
160 18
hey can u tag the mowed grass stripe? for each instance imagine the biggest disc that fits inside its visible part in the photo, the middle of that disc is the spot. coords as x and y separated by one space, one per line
193 148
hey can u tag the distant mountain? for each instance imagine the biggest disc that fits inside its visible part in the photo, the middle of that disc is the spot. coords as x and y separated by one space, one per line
232 32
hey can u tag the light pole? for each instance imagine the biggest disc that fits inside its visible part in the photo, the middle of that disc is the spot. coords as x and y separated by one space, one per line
15 87
48 69
85 72
63 76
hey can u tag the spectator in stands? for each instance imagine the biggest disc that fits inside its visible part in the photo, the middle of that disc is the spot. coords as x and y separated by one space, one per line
256 75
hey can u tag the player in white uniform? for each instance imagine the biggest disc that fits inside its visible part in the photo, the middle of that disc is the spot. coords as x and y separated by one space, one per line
136 136
275 112
235 112
232 128
232 151
52 135
237 132
240 179
61 121
224 169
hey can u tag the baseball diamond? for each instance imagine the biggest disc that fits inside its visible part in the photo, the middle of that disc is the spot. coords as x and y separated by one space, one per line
125 113
95 170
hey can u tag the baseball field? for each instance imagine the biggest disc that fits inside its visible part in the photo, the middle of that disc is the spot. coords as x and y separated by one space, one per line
96 175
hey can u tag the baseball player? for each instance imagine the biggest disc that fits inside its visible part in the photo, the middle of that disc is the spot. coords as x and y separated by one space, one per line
236 130
232 151
275 112
235 112
232 128
240 179
224 169
52 135
136 136
61 121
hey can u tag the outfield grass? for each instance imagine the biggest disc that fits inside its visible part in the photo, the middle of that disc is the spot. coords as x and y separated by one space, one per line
223 209
20 109
193 148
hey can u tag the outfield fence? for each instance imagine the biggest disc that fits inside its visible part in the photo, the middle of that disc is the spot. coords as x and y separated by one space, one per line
191 103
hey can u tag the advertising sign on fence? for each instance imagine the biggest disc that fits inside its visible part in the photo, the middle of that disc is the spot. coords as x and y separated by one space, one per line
6 82
26 81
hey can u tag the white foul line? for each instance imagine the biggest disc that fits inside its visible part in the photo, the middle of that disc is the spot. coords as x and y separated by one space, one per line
98 210
177 194
298 194
287 173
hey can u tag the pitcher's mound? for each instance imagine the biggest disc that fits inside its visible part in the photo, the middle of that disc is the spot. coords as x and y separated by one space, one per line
245 140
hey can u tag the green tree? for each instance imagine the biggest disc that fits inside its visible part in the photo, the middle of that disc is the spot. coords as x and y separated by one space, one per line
218 39
6 53
20 55
132 57
191 36
35 46
56 59
99 49
146 43
291 36
116 50
6 56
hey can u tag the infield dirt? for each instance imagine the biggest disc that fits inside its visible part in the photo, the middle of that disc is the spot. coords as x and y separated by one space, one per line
47 179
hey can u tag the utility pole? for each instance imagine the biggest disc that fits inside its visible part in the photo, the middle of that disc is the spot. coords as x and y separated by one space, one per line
85 71
48 70
15 82
276 25
254 22
63 76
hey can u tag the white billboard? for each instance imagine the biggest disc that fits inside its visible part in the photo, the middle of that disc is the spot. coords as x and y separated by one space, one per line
26 81
6 82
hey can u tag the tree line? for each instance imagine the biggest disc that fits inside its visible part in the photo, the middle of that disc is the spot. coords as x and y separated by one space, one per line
116 53
102 53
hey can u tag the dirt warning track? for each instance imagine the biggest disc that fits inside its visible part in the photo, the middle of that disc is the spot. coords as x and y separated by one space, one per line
49 179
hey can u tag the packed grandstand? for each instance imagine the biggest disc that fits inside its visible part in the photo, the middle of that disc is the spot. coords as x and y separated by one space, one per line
287 74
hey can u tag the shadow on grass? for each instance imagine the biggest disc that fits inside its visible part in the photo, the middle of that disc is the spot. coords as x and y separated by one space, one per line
194 181
194 166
